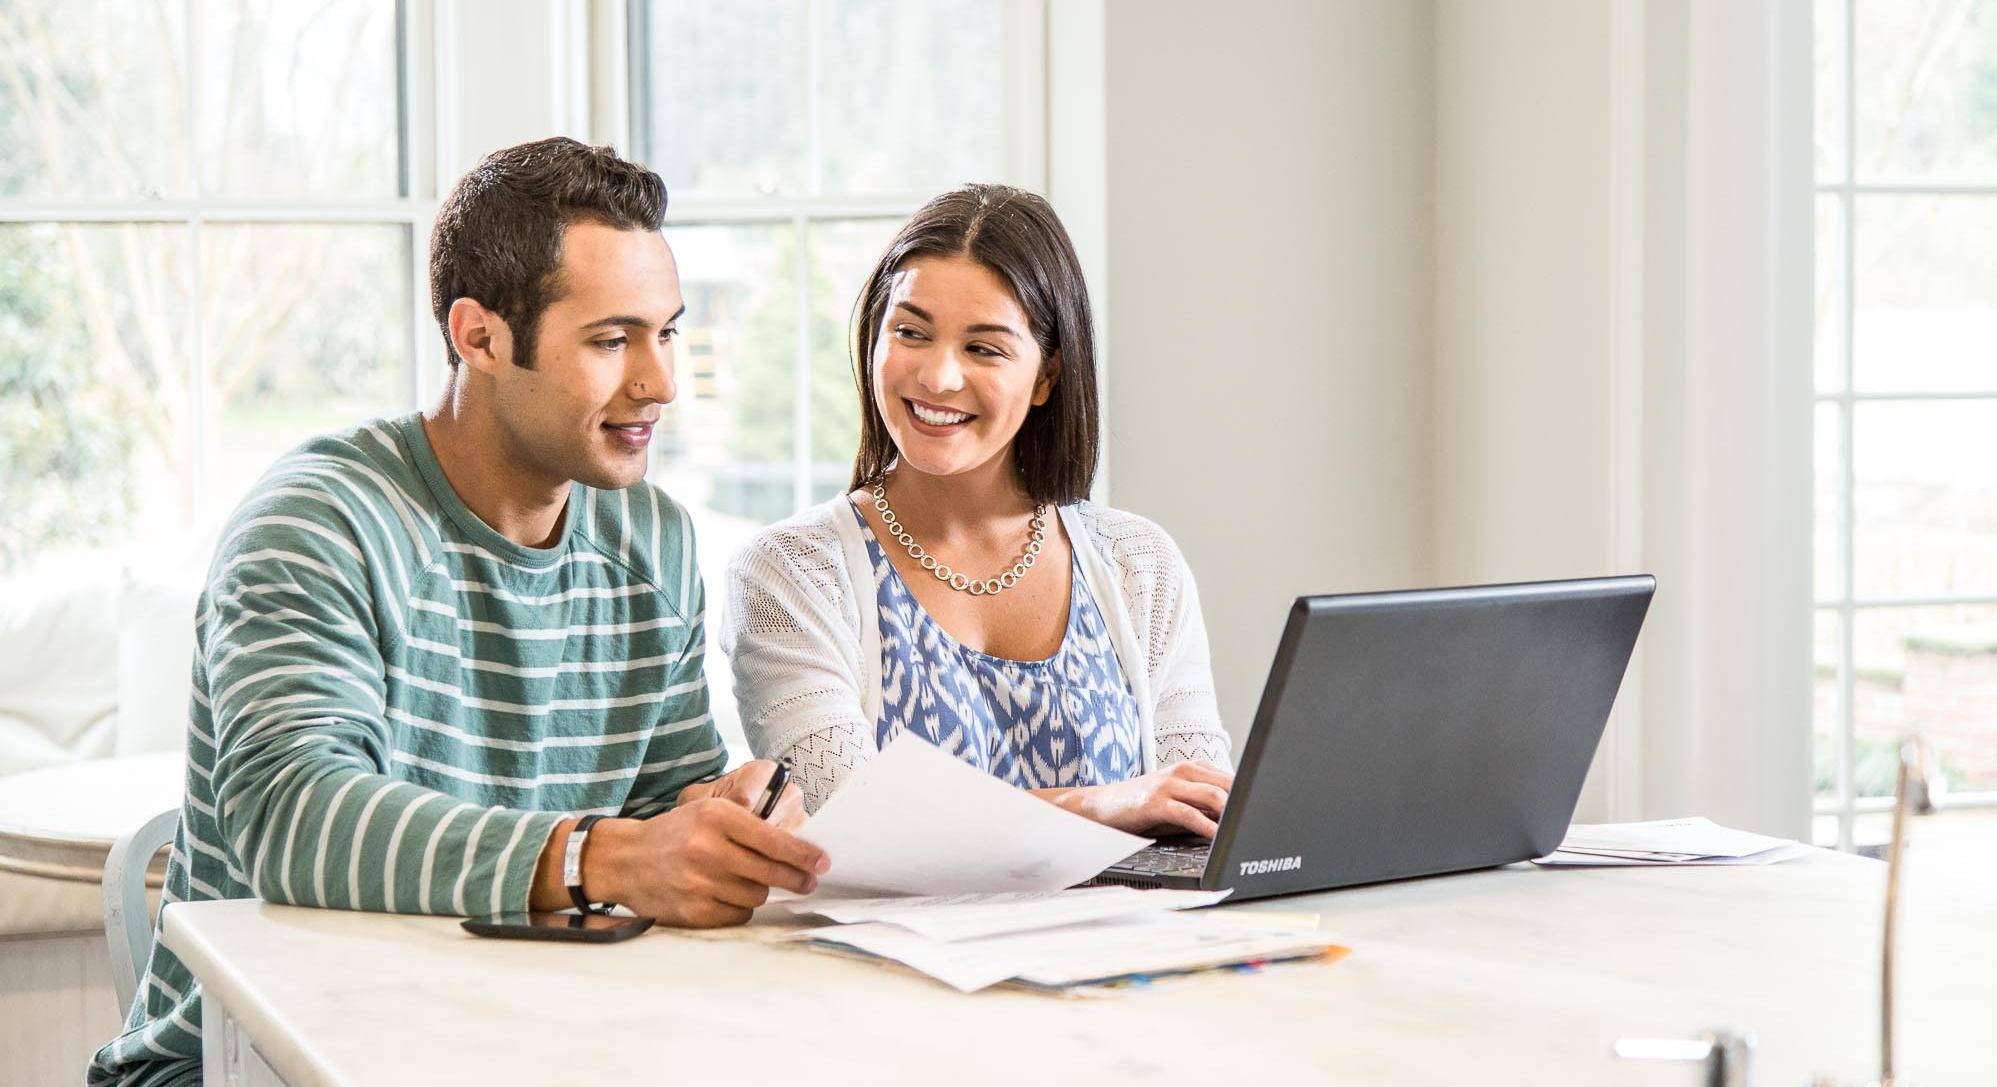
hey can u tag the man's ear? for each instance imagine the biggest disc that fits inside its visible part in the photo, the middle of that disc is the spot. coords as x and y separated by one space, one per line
480 336
1050 372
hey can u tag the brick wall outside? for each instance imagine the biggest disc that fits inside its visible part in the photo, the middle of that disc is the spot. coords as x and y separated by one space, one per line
1951 696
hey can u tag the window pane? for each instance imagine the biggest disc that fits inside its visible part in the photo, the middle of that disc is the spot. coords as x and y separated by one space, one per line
90 100
1933 670
726 112
912 94
1830 300
1926 107
725 443
1926 500
1829 566
1926 280
306 330
298 100
94 401
1828 717
1828 24
842 253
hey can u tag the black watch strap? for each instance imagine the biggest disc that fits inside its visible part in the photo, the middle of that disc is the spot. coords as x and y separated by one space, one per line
572 873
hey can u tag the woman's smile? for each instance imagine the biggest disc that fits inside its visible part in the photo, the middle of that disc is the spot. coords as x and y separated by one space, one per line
935 420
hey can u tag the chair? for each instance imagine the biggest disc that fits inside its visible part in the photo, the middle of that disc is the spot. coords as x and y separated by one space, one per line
128 924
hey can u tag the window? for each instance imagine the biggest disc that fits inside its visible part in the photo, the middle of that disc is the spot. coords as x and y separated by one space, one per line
209 246
1906 415
795 137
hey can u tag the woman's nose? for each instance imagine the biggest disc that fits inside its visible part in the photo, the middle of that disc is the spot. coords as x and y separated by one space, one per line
943 372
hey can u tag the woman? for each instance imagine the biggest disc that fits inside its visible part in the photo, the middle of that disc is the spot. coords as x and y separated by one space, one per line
964 590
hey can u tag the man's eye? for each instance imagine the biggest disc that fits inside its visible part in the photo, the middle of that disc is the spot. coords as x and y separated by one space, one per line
667 334
613 344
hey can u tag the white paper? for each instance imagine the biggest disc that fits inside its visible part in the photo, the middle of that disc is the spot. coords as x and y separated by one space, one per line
917 821
1150 943
975 916
1560 857
1695 837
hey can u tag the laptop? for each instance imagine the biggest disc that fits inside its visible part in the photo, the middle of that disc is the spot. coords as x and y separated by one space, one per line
1414 733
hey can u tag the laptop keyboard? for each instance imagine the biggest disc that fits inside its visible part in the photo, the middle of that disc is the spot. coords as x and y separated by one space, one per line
1169 859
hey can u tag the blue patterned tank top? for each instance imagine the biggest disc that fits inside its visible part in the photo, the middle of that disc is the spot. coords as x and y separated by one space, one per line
1068 720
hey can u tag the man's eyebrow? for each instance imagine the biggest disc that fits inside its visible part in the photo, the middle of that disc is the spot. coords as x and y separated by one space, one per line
922 314
625 320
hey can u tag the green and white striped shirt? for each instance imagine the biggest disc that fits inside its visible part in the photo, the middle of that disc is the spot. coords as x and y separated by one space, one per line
394 705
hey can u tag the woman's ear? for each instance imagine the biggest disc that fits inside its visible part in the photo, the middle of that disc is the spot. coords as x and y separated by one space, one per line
1050 372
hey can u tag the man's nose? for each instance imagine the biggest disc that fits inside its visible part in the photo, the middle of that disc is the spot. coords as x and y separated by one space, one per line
650 373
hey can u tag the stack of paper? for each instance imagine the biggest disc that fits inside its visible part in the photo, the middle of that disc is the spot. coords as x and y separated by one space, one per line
1057 939
961 876
1696 840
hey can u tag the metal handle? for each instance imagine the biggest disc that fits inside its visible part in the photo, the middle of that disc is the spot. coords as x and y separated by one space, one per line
1728 1057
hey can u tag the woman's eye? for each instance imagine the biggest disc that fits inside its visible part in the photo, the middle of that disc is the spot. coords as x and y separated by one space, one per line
908 333
986 350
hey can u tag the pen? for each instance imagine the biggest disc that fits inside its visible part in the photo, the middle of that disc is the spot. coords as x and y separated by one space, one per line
774 791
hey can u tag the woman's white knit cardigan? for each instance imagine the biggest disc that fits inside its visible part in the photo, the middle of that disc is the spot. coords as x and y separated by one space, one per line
803 638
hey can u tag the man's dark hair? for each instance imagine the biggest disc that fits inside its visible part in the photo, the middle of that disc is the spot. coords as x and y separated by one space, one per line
1017 236
498 237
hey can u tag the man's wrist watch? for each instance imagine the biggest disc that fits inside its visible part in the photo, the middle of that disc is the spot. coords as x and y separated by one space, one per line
572 865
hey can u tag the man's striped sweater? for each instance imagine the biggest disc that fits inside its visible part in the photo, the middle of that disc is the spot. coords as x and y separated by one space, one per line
393 705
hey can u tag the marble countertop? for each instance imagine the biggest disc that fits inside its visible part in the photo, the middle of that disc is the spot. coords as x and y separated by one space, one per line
1512 975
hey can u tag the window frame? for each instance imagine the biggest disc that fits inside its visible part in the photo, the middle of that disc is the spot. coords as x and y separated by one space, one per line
414 210
1845 190
1023 106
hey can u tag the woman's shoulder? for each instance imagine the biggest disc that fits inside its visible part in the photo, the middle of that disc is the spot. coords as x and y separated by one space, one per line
1130 540
807 541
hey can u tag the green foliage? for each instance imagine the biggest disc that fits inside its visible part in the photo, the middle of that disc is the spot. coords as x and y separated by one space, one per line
63 444
765 434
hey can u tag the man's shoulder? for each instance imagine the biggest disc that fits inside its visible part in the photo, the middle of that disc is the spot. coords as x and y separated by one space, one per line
322 494
368 459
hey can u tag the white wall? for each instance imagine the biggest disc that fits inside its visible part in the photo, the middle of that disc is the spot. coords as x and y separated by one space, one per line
1268 270
1526 441
1521 290
1463 291
1622 351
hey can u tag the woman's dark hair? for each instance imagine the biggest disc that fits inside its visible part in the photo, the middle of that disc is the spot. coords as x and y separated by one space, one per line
1016 235
498 237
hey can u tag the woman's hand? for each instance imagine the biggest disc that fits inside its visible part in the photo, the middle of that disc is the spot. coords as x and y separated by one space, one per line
1186 796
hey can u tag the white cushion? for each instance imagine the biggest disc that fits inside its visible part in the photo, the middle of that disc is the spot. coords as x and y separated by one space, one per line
58 663
156 604
58 824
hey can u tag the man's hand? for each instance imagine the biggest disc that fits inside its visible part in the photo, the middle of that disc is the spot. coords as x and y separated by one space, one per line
707 863
1185 796
744 785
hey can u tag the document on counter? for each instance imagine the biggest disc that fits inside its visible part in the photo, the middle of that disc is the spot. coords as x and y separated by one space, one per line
916 821
1694 840
975 916
1088 953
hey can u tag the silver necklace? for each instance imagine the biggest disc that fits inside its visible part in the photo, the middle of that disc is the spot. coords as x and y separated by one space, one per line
957 581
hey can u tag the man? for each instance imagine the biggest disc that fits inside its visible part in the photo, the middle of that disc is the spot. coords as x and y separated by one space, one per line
429 645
